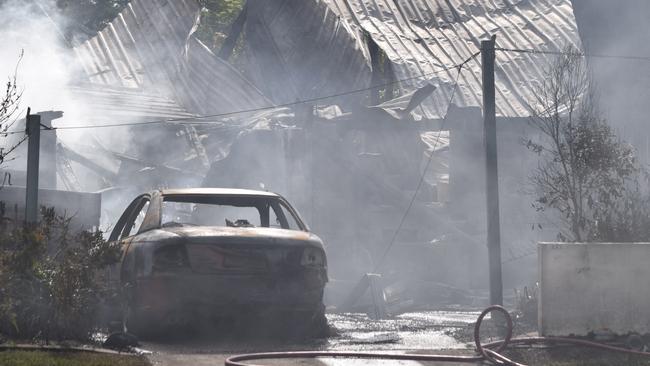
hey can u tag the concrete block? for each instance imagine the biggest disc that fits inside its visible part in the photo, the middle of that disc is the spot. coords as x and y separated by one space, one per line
592 287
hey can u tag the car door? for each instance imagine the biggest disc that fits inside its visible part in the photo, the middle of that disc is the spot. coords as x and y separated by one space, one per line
128 237
125 232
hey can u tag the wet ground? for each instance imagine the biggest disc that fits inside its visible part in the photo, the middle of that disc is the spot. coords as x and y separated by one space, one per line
415 332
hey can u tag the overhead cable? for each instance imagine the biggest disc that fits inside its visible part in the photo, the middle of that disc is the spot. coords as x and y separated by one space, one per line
192 120
579 54
426 168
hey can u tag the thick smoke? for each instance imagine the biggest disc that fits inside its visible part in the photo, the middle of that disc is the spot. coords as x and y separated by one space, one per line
51 78
620 29
347 206
45 72
44 68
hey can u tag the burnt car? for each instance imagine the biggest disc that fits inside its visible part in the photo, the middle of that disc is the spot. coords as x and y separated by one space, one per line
190 256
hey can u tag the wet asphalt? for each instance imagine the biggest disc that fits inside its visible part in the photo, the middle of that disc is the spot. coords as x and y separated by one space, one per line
414 332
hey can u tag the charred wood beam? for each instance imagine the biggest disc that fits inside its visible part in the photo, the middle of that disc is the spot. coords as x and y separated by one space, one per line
382 73
372 117
372 282
195 141
375 55
171 171
73 155
69 178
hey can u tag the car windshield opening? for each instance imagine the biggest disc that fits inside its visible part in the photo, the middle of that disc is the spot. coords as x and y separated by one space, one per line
243 212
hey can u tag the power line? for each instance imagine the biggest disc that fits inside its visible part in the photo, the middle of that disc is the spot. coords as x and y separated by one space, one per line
580 54
193 119
426 167
180 120
4 153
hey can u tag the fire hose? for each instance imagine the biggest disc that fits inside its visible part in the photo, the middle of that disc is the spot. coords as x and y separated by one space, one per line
490 352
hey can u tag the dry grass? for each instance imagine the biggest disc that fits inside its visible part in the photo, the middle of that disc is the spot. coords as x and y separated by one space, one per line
49 358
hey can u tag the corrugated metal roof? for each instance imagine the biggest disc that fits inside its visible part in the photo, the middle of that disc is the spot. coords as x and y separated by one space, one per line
422 36
134 105
307 49
150 47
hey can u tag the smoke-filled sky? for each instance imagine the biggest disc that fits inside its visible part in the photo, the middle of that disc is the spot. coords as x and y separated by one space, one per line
620 28
45 66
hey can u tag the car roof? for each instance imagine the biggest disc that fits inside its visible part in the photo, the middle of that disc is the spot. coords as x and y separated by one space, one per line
216 192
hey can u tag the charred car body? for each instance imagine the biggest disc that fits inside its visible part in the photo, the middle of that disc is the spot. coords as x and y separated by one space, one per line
190 255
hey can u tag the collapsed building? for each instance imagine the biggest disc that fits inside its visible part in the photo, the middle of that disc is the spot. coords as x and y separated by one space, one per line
338 105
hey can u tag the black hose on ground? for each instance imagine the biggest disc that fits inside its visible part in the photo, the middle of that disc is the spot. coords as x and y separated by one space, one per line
485 352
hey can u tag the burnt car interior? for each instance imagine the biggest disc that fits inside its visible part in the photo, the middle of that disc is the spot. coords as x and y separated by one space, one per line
207 210
188 210
227 211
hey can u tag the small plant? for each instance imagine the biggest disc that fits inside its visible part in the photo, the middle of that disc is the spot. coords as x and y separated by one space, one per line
526 305
51 279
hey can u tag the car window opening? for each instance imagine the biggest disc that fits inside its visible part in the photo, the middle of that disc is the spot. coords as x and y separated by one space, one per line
242 212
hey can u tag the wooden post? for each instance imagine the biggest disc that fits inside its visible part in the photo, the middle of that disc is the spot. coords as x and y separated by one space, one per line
33 150
491 172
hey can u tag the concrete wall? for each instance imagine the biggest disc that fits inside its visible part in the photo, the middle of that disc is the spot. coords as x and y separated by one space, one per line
83 207
592 287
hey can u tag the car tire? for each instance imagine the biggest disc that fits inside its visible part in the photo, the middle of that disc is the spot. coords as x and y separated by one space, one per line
319 326
306 325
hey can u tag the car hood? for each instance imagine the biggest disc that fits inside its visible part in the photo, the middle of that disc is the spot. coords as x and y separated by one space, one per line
234 235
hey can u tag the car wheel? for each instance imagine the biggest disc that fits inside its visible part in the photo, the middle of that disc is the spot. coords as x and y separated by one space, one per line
319 327
306 325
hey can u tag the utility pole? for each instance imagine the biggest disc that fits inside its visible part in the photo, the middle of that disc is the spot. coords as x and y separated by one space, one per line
33 131
491 172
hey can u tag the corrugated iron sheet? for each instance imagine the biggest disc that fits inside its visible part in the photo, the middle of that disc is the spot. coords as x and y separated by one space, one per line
423 36
133 105
150 47
308 49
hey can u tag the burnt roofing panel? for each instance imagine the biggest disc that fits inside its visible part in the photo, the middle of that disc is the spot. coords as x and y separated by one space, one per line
150 47
421 37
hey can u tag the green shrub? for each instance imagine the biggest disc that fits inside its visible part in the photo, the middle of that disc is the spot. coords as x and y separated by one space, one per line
52 279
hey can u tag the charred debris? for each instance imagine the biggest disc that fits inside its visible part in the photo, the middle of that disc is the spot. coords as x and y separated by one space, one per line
338 109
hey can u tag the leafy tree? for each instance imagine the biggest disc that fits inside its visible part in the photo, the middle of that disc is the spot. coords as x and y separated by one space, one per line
216 18
585 172
89 16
